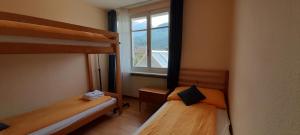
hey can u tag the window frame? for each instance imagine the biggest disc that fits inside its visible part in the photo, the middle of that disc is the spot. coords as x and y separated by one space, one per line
147 69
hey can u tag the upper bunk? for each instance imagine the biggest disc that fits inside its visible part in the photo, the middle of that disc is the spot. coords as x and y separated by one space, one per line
22 34
26 34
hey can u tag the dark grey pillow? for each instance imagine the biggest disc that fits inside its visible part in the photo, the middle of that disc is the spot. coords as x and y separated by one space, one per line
3 126
191 96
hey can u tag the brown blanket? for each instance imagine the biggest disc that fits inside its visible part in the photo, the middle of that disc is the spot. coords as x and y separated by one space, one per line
35 120
174 118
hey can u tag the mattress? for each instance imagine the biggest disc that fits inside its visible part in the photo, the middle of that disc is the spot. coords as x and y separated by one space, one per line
222 127
223 122
69 121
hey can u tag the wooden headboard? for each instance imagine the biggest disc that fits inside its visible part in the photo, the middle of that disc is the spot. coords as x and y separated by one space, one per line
205 78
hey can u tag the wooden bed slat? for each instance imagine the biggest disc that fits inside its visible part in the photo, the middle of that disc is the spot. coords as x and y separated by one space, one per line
215 79
36 30
203 79
47 22
22 25
195 72
34 48
203 85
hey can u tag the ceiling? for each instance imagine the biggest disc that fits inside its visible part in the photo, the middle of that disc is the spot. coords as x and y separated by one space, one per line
113 4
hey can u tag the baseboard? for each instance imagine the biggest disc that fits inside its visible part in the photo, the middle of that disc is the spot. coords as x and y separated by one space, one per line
130 96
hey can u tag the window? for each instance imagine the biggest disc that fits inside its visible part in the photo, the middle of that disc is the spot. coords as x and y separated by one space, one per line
150 42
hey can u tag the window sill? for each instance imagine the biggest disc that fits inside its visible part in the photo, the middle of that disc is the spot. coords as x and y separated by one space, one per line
145 74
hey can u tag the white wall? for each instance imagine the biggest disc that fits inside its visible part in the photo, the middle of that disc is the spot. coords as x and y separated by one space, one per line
30 81
265 70
207 33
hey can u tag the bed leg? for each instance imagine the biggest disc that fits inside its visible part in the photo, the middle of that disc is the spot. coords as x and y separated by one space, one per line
115 110
118 110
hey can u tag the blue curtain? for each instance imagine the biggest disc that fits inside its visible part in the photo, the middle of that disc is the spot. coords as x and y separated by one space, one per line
175 41
112 26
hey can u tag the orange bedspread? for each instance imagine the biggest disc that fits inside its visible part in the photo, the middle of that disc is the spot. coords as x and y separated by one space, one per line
32 121
174 118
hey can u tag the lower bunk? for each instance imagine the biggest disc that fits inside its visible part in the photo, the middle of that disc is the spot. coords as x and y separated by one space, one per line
59 118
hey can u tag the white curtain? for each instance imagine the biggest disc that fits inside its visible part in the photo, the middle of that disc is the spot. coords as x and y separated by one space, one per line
123 22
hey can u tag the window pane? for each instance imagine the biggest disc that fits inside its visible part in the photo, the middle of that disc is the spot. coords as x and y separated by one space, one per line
160 20
139 46
160 47
139 23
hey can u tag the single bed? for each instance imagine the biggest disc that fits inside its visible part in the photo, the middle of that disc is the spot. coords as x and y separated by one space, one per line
222 127
207 117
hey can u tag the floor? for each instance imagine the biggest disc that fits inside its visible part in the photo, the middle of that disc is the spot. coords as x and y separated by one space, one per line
125 124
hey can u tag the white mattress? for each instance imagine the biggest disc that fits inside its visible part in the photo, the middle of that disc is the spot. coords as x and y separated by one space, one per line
223 122
67 122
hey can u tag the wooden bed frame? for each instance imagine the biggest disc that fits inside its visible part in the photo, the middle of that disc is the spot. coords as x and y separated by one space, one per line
206 78
21 25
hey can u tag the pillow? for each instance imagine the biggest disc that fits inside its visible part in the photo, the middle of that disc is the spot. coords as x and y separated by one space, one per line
173 95
213 96
3 126
191 96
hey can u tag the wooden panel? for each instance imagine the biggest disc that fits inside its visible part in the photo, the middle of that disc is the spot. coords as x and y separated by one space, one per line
40 21
89 72
118 74
203 85
31 48
115 95
215 79
152 95
154 90
199 78
36 30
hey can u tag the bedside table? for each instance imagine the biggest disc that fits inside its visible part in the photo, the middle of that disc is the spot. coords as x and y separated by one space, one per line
152 95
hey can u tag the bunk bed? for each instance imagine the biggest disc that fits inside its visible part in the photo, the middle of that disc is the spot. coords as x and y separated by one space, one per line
20 34
208 117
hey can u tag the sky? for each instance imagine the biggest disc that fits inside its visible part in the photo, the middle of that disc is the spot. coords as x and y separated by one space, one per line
156 19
